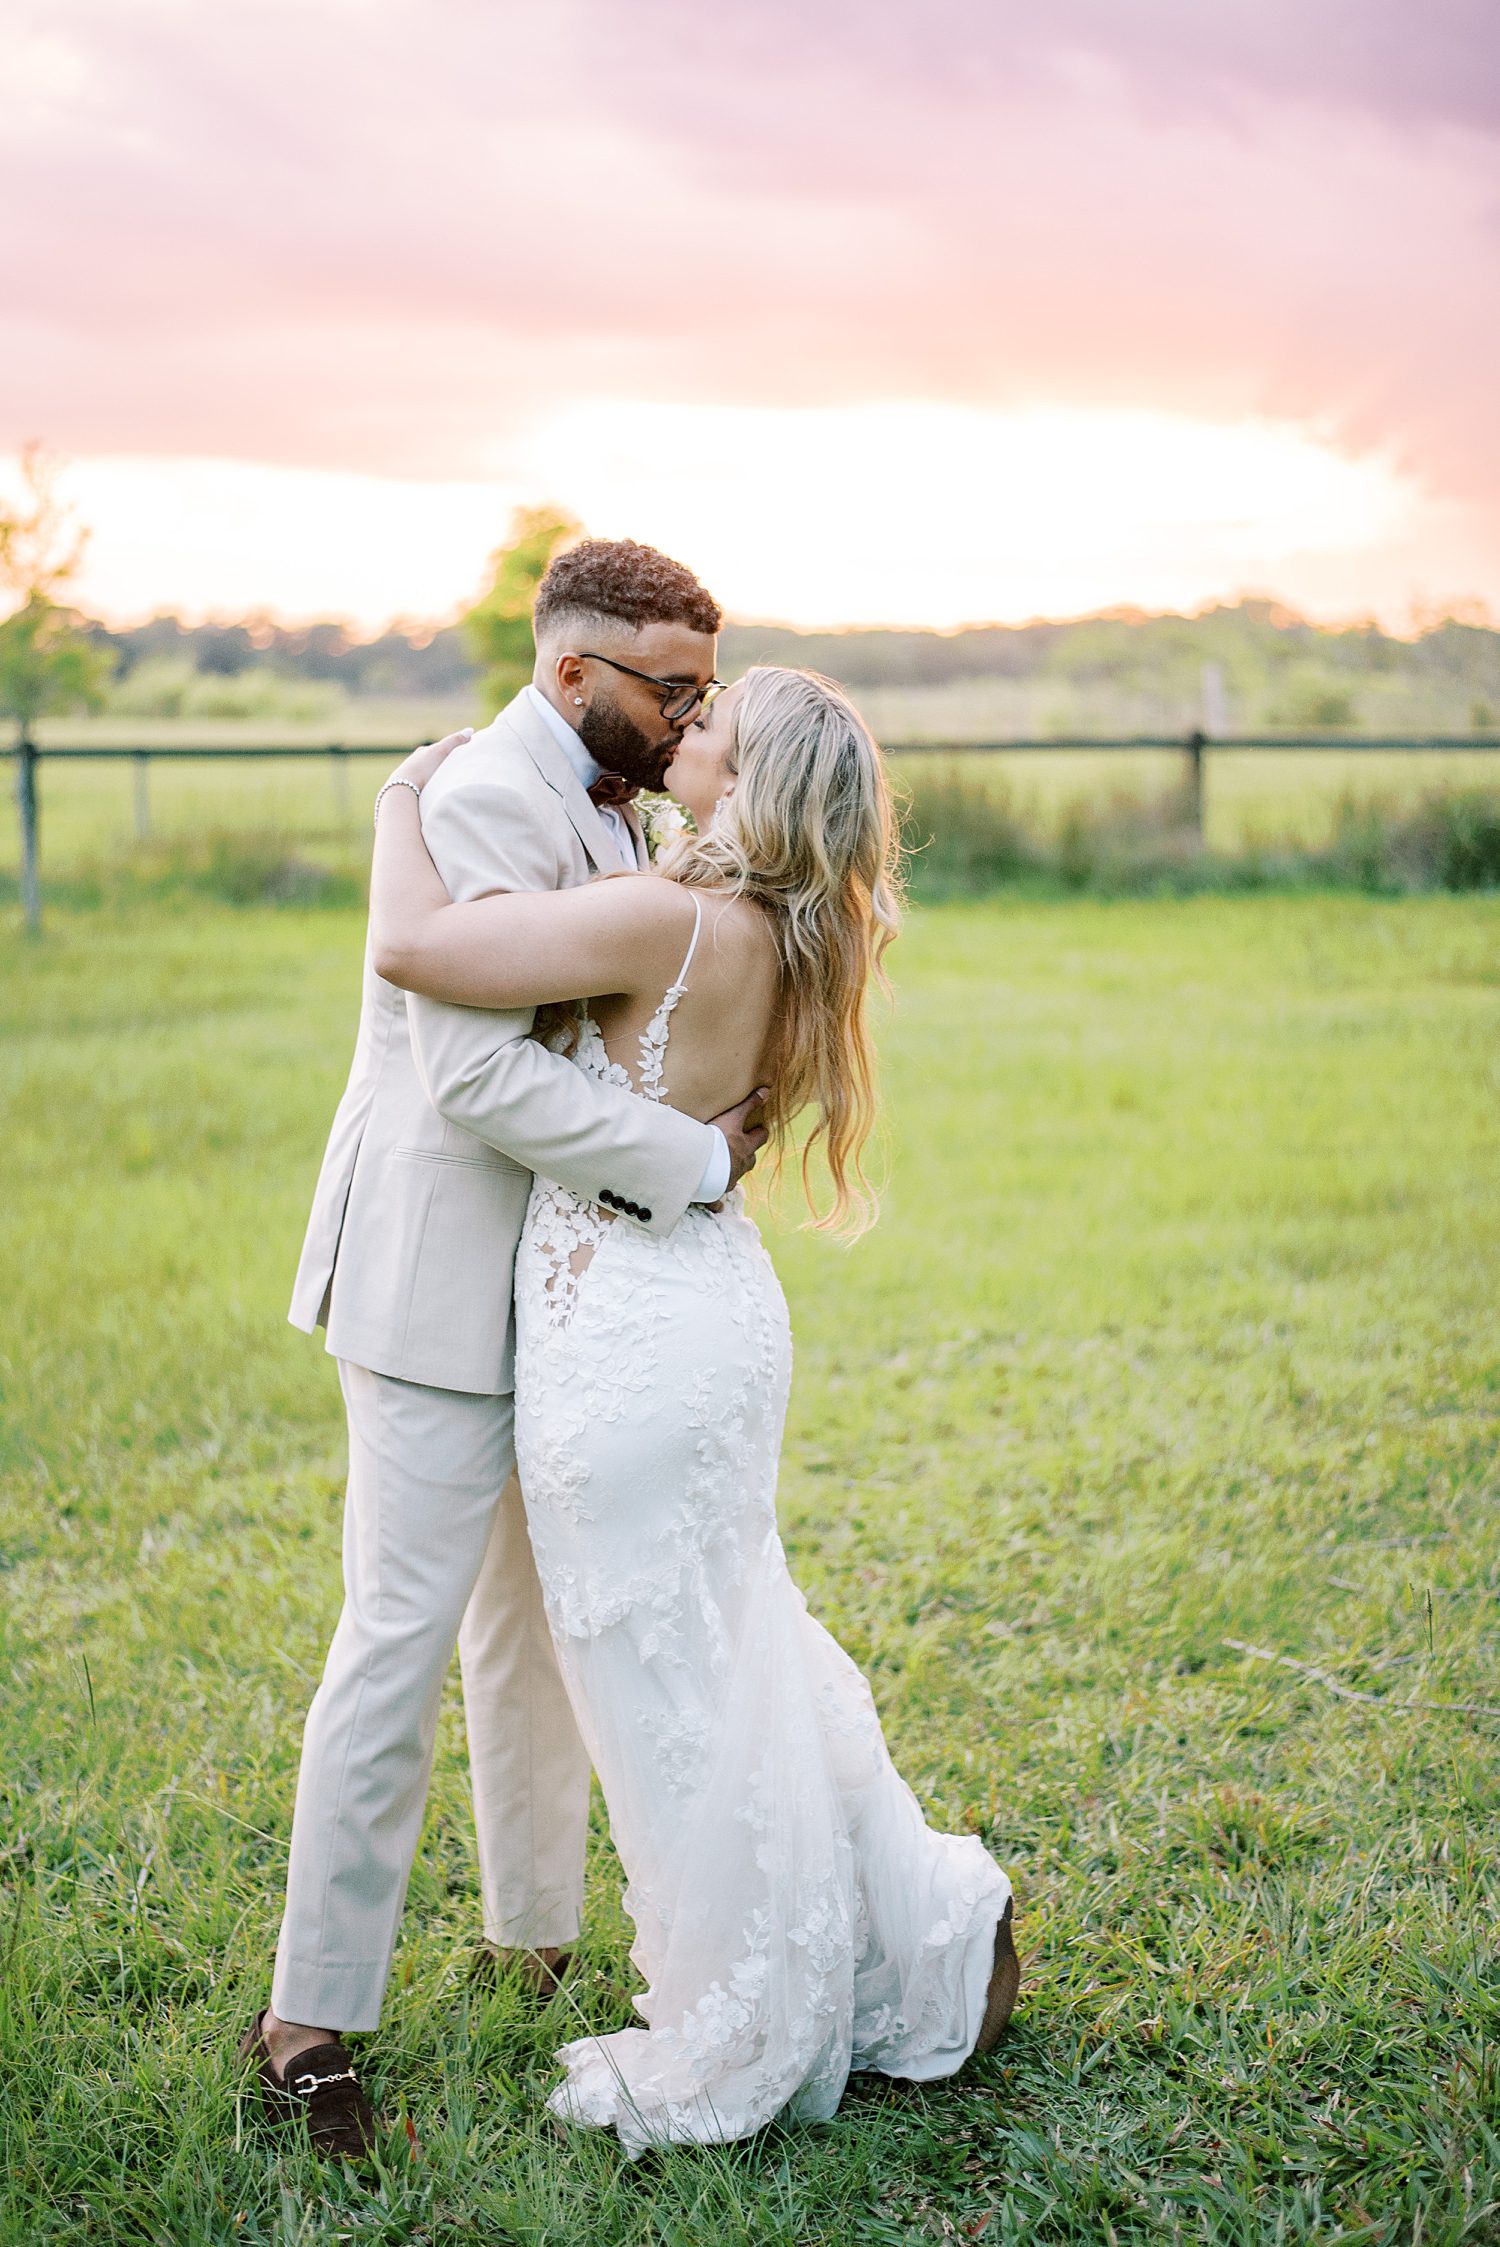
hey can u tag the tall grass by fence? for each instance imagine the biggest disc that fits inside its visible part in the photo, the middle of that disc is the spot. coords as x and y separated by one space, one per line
965 837
970 840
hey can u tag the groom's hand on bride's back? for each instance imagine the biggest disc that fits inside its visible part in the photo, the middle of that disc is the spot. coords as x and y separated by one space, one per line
745 1129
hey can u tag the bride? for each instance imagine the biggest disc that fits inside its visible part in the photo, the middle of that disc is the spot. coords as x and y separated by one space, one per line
794 1916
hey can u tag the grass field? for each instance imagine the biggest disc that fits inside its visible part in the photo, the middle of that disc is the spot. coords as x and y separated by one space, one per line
1179 1329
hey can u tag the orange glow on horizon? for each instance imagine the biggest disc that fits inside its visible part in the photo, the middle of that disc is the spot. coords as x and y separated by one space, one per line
917 514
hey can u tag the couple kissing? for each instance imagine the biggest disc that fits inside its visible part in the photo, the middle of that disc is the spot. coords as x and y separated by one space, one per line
565 1358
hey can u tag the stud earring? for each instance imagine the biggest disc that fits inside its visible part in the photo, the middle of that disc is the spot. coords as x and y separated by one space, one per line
578 698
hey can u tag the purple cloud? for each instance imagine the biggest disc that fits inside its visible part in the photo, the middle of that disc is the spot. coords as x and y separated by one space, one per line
1404 61
378 234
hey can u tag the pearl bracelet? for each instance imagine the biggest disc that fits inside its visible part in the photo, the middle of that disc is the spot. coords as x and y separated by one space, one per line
397 780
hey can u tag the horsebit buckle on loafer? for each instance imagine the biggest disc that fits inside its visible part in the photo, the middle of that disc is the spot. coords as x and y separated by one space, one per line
305 2085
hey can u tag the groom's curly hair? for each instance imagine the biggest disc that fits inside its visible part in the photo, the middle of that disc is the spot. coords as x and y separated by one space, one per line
633 584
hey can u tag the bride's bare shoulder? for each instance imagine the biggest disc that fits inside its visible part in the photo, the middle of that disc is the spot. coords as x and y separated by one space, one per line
644 907
740 931
734 930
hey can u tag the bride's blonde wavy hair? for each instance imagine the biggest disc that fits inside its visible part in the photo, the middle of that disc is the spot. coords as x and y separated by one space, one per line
810 835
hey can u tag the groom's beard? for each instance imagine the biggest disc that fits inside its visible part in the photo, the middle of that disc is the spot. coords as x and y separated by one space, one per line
617 744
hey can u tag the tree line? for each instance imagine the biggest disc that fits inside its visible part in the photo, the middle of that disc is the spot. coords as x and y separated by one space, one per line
1277 667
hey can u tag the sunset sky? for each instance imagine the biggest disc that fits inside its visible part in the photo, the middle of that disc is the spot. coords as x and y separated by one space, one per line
872 311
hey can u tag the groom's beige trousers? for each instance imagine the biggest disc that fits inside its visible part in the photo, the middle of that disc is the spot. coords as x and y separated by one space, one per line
434 1539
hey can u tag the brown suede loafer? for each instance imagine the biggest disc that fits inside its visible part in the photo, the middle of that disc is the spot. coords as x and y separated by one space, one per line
1005 1985
319 2089
540 1974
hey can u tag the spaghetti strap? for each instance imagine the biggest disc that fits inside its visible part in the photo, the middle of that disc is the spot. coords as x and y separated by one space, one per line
653 1039
682 973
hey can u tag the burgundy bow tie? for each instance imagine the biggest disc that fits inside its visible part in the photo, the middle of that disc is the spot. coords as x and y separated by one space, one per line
611 790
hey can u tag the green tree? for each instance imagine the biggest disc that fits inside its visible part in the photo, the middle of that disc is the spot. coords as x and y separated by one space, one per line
46 662
498 627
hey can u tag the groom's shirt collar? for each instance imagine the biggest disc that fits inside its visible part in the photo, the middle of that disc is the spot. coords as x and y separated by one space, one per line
566 739
616 825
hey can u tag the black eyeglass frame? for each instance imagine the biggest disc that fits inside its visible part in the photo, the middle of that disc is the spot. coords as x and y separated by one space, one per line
679 699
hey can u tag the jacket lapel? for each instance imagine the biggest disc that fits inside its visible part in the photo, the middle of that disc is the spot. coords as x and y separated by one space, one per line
559 775
637 836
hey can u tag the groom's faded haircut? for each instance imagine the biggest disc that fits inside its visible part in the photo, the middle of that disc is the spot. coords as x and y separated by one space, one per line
618 581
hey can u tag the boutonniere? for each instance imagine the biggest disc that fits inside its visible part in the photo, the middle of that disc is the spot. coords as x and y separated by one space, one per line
662 824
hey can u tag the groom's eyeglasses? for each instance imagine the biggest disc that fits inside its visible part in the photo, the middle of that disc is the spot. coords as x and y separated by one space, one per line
679 697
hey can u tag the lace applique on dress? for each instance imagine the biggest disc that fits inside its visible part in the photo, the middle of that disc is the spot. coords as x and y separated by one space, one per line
566 1231
653 1039
794 1916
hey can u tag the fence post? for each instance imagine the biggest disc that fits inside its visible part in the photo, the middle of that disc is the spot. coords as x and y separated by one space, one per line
26 803
143 795
1194 746
1215 707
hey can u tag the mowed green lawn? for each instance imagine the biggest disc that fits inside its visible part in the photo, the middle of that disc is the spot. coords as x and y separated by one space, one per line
1179 1329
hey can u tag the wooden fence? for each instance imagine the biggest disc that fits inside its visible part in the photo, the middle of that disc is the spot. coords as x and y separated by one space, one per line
1195 748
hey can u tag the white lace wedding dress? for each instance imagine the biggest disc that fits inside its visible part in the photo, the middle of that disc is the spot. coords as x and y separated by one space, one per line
795 1917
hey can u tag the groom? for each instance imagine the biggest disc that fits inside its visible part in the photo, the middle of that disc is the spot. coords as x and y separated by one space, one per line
407 1262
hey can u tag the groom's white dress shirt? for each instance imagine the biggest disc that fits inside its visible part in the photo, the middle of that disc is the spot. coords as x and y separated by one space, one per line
715 1180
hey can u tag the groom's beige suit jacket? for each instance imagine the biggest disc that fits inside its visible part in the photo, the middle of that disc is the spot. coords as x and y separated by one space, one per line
418 1211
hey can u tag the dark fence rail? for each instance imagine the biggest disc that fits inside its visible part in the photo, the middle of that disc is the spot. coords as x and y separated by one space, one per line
1194 747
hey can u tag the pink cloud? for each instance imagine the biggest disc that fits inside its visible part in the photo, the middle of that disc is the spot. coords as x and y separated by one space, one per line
374 234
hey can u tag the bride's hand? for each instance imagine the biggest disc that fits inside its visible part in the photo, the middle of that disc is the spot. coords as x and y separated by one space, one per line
420 766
